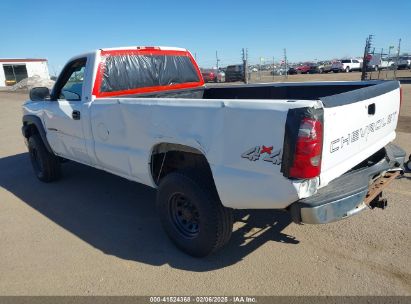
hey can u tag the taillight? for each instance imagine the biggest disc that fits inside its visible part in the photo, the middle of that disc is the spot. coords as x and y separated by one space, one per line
308 150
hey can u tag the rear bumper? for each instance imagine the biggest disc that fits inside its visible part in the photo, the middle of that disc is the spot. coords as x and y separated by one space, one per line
345 196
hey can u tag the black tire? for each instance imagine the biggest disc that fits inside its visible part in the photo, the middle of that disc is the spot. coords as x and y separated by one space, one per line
192 214
347 69
46 165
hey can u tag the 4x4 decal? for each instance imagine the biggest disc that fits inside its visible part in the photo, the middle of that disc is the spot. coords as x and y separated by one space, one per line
267 153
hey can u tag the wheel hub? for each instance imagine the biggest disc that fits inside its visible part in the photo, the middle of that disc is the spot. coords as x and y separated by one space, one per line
184 215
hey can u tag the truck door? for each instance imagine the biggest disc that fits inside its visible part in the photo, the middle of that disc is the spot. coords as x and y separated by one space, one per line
63 119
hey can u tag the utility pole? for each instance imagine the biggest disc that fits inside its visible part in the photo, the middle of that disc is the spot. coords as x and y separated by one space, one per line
285 63
389 50
246 71
398 58
273 68
398 49
366 58
216 57
379 70
259 69
245 64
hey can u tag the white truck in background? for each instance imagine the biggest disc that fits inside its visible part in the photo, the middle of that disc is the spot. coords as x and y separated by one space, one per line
143 113
347 65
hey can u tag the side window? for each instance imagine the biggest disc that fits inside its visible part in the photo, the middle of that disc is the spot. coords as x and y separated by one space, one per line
70 86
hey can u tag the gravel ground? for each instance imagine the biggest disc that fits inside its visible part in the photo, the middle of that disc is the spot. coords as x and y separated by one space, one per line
93 233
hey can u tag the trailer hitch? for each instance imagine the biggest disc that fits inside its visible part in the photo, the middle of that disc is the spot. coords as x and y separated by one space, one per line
378 202
374 198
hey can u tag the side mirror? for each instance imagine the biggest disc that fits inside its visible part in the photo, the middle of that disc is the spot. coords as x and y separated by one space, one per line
39 93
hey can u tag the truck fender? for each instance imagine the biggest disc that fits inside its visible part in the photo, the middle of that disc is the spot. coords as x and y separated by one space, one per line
28 121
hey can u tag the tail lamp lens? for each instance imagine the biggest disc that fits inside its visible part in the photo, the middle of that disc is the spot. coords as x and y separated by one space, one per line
308 149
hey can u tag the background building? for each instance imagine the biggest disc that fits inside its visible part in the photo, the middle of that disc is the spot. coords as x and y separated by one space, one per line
14 70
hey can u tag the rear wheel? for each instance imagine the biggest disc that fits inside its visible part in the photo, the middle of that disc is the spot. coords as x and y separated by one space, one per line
347 69
407 165
46 166
192 214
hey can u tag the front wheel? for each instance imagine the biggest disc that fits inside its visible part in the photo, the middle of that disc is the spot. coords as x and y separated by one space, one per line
46 166
192 214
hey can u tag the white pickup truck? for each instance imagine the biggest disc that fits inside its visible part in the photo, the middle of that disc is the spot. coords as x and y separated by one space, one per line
346 65
316 150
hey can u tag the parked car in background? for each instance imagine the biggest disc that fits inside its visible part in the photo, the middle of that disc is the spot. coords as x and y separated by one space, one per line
337 66
281 71
324 66
292 71
278 71
220 76
234 73
407 59
307 68
209 75
379 62
213 75
400 63
346 65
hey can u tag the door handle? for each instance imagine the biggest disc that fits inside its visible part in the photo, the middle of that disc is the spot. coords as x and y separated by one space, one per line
76 115
371 109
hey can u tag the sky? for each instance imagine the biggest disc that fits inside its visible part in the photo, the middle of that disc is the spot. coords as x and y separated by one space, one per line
309 30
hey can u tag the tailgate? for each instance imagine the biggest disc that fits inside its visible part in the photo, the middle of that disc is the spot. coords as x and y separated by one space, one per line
356 125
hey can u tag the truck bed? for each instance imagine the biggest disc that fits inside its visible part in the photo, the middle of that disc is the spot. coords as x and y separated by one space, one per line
325 91
330 93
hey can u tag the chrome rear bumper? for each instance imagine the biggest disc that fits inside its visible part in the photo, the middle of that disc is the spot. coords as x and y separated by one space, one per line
351 193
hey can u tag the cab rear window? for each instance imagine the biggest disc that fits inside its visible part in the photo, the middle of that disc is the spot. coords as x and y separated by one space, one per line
142 72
